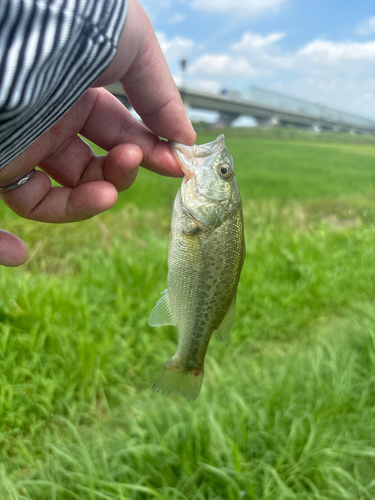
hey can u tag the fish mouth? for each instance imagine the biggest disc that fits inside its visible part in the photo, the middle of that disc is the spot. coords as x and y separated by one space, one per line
186 156
177 149
195 154
189 174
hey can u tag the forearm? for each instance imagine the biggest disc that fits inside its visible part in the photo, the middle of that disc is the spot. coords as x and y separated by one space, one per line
50 54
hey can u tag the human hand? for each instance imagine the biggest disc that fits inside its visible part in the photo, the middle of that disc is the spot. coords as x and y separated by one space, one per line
90 183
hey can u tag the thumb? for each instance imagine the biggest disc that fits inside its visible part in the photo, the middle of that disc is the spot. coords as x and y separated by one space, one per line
149 85
13 251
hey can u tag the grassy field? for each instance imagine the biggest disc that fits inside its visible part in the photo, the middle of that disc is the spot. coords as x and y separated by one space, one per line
287 409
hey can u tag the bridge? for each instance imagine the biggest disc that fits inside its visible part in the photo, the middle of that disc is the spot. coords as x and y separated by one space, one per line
268 108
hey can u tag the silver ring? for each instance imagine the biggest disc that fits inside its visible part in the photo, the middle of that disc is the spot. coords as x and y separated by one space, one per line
18 183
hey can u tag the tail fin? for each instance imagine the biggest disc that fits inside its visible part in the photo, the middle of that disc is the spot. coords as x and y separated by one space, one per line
184 383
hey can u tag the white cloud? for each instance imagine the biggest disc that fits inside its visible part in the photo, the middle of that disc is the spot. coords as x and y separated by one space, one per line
239 7
366 27
175 48
353 95
325 52
177 17
253 41
340 74
263 52
156 9
253 56
223 64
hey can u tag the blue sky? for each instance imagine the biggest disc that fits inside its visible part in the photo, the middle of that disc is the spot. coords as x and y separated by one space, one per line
321 50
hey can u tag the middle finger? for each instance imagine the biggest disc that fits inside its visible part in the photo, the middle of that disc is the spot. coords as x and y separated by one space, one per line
76 163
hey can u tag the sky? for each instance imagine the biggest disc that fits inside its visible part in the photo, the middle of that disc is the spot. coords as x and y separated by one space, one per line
319 50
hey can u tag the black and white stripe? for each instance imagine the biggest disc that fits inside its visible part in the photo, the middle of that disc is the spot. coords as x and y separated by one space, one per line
51 51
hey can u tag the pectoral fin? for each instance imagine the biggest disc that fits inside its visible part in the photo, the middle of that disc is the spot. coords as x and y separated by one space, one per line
225 326
161 314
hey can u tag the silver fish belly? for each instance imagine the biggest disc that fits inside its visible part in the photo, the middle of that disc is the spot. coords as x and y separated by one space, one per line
206 255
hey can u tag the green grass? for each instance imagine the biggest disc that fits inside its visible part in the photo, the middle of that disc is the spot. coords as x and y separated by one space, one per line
287 409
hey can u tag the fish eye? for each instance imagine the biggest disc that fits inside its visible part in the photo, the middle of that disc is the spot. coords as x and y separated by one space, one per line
225 170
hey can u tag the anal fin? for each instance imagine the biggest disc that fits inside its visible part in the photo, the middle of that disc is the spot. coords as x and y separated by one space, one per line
225 326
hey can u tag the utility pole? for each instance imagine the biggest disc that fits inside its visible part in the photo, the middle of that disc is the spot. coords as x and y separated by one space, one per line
183 64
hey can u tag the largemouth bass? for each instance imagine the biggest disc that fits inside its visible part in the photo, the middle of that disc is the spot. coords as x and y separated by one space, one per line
206 254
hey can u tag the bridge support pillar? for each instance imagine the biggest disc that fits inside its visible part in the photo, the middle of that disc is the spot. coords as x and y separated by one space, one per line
272 121
309 128
226 119
124 100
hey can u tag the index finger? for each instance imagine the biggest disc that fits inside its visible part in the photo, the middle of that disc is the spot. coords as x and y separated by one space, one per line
109 124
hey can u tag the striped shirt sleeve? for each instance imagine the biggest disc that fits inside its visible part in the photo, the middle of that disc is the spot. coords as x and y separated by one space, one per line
51 52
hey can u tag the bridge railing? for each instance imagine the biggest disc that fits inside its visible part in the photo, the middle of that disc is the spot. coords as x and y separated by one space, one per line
269 99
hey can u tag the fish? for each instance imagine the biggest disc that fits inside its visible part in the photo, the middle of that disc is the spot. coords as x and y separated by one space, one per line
205 258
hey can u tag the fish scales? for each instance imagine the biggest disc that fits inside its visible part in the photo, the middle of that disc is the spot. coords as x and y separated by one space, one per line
206 255
212 263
